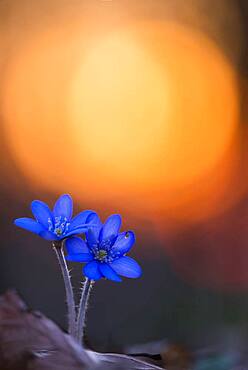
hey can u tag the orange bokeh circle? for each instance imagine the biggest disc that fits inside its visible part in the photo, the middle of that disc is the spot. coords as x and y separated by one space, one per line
137 116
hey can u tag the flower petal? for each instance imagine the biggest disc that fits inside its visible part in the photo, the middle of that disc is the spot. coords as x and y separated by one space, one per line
92 234
94 219
29 224
108 272
48 235
76 245
91 238
91 270
80 219
63 207
127 267
123 243
42 213
80 257
79 230
111 228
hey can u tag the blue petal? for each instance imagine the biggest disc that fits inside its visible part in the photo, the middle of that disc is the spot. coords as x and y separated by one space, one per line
108 272
94 219
76 245
127 267
80 257
79 230
48 235
91 270
29 224
63 207
92 234
91 238
123 243
42 213
80 219
111 228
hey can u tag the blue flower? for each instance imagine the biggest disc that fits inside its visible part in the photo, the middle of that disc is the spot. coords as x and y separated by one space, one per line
104 249
57 224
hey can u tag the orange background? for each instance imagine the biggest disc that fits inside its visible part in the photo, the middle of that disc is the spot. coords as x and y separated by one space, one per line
132 107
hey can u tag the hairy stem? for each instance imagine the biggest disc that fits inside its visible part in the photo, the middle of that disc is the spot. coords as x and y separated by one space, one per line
58 248
88 284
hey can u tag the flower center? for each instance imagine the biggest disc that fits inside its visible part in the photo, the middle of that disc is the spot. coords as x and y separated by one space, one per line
58 231
60 226
101 255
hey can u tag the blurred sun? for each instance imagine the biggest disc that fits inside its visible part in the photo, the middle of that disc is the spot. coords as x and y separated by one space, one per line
119 104
138 115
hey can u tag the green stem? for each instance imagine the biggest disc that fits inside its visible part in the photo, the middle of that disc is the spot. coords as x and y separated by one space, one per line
88 284
58 248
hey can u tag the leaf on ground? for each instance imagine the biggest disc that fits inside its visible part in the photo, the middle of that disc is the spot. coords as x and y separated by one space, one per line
30 341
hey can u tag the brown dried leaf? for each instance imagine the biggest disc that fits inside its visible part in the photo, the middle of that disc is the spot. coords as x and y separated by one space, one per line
30 341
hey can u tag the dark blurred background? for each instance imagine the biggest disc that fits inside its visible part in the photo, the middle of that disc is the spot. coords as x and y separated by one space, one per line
136 107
